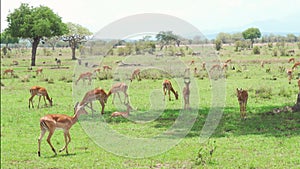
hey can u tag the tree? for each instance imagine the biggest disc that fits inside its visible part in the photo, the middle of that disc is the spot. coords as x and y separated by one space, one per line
34 24
52 41
165 38
252 34
224 37
77 34
6 38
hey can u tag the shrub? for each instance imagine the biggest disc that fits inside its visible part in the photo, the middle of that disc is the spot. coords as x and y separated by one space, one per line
205 153
275 52
218 44
256 50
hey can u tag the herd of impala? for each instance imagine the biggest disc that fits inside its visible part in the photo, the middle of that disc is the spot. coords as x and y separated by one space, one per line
51 122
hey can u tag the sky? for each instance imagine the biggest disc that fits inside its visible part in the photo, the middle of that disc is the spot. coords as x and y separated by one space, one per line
207 15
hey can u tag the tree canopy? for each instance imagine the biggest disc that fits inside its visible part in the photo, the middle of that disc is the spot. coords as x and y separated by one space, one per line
76 35
165 38
35 23
252 34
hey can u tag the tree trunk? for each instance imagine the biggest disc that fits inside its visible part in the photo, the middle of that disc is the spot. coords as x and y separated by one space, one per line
35 44
296 107
73 53
72 44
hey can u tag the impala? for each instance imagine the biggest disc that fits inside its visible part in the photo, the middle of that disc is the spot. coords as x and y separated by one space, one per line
242 96
116 88
136 74
11 71
51 122
167 86
296 65
40 91
186 94
192 62
290 75
106 68
291 60
92 95
39 71
123 114
228 61
58 62
83 76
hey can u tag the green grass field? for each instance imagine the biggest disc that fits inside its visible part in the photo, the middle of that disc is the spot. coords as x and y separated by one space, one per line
263 140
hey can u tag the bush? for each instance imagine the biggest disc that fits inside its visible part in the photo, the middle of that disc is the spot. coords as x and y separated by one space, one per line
218 44
256 50
275 52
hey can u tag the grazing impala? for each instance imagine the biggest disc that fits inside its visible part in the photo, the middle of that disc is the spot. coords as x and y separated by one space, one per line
40 91
192 62
167 86
97 70
291 60
116 88
228 61
242 96
186 94
136 74
51 122
106 68
11 71
123 114
295 65
83 76
39 71
290 75
92 95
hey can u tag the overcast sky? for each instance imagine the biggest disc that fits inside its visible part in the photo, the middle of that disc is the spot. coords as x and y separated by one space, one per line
206 15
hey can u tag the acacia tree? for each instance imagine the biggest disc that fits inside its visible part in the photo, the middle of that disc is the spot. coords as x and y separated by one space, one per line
165 38
77 34
252 34
34 23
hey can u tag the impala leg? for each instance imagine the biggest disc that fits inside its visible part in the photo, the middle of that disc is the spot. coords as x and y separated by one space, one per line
102 105
126 97
120 98
39 101
45 100
169 95
113 99
49 140
43 131
67 141
30 100
90 80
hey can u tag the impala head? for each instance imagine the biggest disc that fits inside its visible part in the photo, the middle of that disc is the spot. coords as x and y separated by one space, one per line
239 92
79 109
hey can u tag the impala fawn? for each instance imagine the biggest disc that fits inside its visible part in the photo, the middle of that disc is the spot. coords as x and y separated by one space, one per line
242 96
167 86
123 114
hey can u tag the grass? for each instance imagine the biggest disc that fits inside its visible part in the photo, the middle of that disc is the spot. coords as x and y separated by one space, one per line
261 141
